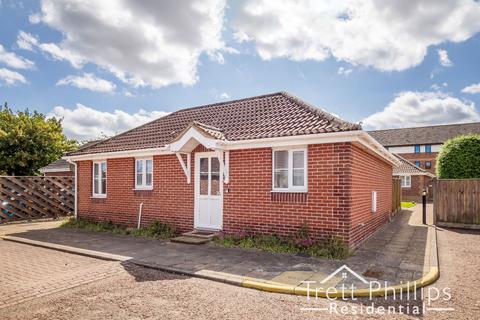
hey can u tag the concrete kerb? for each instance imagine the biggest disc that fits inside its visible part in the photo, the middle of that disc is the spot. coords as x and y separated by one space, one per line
260 284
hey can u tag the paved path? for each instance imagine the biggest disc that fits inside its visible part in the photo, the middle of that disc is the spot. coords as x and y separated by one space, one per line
29 272
394 254
149 294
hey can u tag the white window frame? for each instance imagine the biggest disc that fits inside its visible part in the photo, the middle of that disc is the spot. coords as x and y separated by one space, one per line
291 187
409 185
143 186
99 182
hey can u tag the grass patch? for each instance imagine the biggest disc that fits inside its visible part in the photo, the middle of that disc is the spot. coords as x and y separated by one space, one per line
408 204
300 243
156 230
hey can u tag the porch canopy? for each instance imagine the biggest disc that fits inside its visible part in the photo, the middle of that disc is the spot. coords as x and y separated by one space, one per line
195 134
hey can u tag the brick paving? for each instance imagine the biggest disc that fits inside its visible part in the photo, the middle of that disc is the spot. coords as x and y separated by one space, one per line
29 272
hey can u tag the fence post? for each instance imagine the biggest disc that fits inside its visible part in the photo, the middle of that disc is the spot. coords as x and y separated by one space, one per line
424 206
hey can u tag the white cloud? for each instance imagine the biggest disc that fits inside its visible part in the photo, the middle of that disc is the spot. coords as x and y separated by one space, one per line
85 123
344 71
88 81
413 109
384 34
473 88
10 77
155 43
443 58
14 61
438 87
225 96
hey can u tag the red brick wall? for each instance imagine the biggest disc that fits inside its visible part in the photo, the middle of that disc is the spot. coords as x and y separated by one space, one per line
414 193
340 178
369 174
59 174
249 206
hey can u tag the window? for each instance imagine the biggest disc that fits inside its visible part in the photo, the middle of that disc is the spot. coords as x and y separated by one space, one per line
290 170
143 173
406 181
417 148
428 148
418 164
100 179
428 164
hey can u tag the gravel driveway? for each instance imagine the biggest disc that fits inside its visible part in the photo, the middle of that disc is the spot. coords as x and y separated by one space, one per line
138 293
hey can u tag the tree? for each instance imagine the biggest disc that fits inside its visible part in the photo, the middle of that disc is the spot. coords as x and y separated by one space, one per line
459 158
29 141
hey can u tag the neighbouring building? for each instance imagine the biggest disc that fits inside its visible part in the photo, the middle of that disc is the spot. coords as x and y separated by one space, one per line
413 180
420 146
265 164
59 167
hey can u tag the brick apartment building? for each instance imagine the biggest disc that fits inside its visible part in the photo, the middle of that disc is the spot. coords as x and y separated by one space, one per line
420 146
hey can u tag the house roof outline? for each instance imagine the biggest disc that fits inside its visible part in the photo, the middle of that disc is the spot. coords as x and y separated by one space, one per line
408 168
344 267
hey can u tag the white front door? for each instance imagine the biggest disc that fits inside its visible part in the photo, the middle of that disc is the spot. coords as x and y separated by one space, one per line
208 192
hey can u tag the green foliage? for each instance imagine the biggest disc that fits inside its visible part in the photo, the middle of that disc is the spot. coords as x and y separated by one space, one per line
155 230
29 141
408 204
459 158
300 243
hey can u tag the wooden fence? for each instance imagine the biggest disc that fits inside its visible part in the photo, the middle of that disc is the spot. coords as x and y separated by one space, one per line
396 194
29 198
456 202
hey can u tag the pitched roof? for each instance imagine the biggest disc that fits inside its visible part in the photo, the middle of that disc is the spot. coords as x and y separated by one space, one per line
423 135
58 165
273 115
408 168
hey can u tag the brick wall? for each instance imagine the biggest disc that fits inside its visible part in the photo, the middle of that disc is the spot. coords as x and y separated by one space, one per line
369 174
340 179
414 193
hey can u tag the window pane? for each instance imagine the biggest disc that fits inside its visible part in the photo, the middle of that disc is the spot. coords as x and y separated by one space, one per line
204 165
139 172
204 184
281 179
139 166
298 177
103 168
215 165
298 159
148 166
148 179
281 160
95 177
215 184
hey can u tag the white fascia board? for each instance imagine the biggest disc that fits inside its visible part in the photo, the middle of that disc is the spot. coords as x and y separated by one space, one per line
331 137
322 138
120 154
54 170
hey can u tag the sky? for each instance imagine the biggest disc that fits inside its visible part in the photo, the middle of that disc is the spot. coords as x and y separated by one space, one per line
107 66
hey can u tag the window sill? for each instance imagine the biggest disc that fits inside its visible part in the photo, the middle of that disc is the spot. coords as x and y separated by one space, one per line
142 189
289 191
98 196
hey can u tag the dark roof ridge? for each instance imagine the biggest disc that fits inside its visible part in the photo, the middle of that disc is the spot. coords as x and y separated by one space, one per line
434 125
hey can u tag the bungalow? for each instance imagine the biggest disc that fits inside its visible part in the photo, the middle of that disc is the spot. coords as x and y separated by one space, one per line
414 180
265 164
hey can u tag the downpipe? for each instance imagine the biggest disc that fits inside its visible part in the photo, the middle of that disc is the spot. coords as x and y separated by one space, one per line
140 215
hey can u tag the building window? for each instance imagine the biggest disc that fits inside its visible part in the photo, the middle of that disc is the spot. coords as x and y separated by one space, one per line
418 164
406 181
290 170
99 179
143 173
417 148
428 148
428 165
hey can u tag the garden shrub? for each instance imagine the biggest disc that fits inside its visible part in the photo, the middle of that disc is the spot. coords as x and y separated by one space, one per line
459 158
